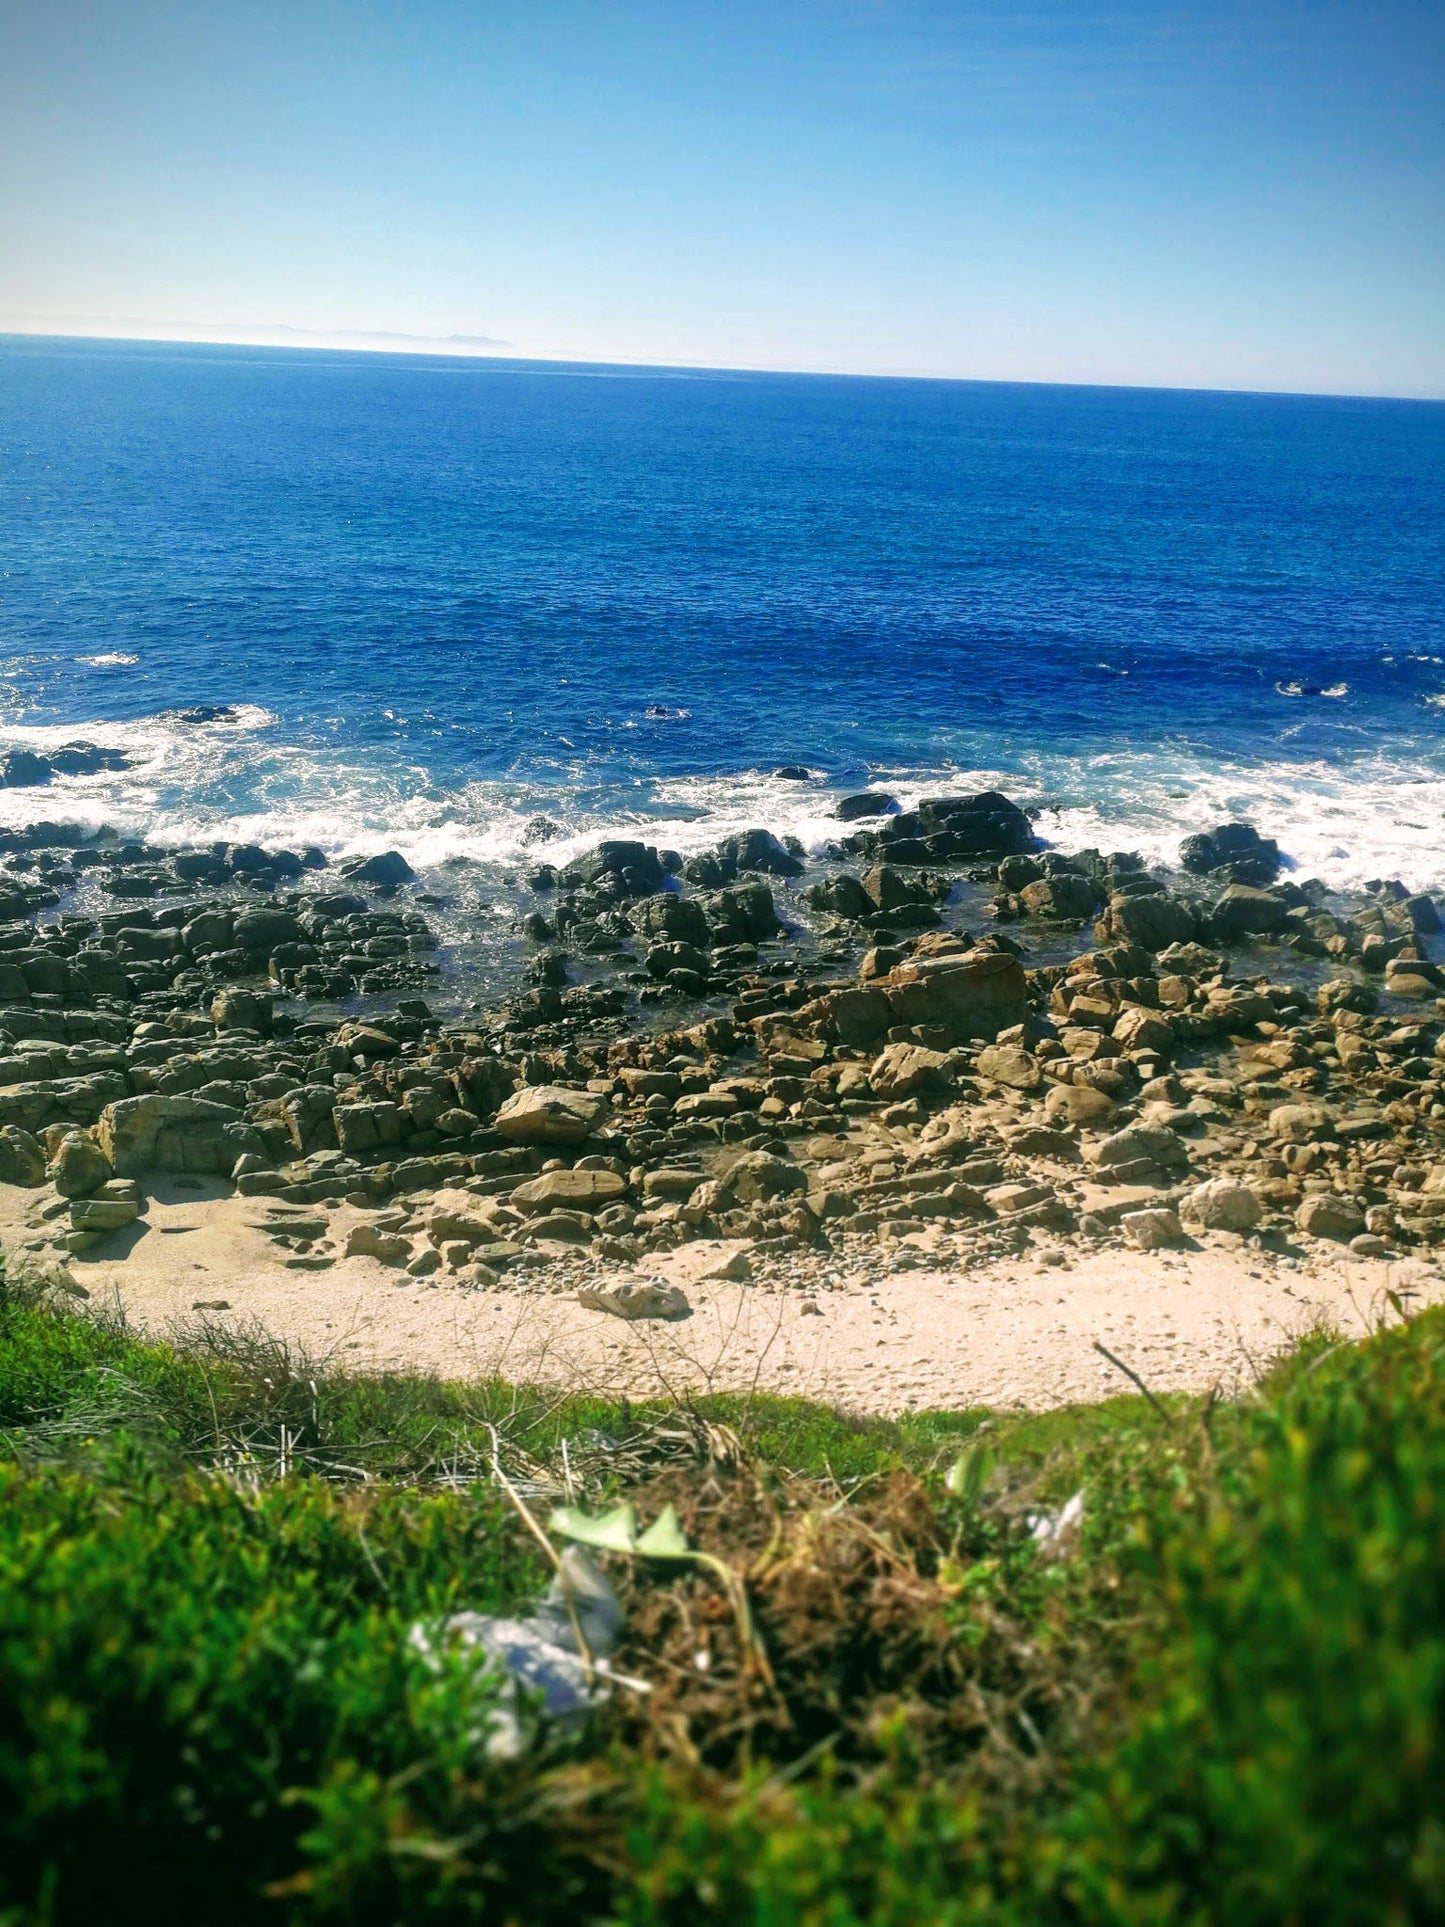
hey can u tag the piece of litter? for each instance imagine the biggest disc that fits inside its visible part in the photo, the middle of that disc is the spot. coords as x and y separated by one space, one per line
1052 1529
539 1655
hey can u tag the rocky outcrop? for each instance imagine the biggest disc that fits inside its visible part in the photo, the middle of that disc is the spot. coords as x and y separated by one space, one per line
160 1133
1234 853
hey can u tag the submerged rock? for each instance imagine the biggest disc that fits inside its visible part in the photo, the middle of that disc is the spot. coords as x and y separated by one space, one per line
864 803
1234 848
385 871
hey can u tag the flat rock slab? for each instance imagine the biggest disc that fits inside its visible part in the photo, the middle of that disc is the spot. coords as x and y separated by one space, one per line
574 1190
550 1114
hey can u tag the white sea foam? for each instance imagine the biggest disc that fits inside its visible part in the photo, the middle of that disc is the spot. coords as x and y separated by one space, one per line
244 779
113 659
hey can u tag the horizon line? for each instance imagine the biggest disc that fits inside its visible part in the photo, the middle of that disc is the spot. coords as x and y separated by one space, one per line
377 341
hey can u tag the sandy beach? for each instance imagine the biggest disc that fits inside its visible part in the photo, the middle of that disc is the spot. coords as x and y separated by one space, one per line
908 1331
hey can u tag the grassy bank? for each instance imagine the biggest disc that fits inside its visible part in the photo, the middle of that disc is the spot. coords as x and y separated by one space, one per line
1220 1700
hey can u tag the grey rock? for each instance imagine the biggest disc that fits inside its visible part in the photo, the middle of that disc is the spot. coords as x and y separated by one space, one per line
862 804
635 1301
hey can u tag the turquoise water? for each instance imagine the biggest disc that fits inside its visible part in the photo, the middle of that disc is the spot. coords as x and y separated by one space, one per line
444 595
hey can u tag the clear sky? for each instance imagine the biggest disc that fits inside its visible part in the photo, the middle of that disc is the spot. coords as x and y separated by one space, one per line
1245 194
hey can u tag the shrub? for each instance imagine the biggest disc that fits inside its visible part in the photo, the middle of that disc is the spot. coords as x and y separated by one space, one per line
1224 1706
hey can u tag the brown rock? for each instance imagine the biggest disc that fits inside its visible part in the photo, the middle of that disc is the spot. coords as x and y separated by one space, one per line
1144 1030
637 1301
977 994
389 1247
1327 1216
902 1069
757 1176
1296 1123
550 1114
1078 1104
570 1190
1012 1065
78 1166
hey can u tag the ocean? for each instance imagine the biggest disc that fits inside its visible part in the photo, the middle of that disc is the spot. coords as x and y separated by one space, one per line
443 596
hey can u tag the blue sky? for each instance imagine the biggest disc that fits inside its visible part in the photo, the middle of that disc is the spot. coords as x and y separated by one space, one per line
1230 195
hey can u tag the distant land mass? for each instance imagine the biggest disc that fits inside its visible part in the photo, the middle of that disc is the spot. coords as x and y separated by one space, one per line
253 334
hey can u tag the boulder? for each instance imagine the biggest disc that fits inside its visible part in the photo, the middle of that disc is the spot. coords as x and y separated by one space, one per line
1298 1123
742 913
22 769
634 867
1065 897
635 1301
1236 848
550 1114
1014 872
902 1069
663 959
389 1247
758 1176
211 930
541 829
22 1159
864 803
1010 1064
975 994
570 1190
455 1217
758 850
842 896
1139 1029
86 759
261 931
857 1017
1221 1204
383 872
1156 1228
246 859
1139 1144
361 1128
1326 1216
560 1227
156 1132
665 914
78 1166
893 890
103 1215
238 1009
1243 910
670 1186
987 824
1151 921
368 1041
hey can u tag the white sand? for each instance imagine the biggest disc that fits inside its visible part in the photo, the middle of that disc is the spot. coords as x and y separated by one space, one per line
1016 1332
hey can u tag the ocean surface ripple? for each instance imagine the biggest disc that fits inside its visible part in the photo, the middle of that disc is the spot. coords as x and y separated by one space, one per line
441 597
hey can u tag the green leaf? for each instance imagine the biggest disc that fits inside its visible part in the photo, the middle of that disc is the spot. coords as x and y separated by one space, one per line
614 1531
665 1538
969 1473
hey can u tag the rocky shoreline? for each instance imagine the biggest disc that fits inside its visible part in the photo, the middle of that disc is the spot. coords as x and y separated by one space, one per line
1119 1056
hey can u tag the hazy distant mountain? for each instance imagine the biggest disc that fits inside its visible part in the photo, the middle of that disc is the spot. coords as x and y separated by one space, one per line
252 334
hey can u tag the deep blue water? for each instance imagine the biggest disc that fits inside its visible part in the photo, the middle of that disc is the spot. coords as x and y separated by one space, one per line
449 593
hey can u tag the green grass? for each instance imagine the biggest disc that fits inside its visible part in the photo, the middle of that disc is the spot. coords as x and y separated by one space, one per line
1225 1706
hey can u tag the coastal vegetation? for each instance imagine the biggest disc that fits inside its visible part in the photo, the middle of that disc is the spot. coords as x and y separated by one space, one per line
1153 1660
